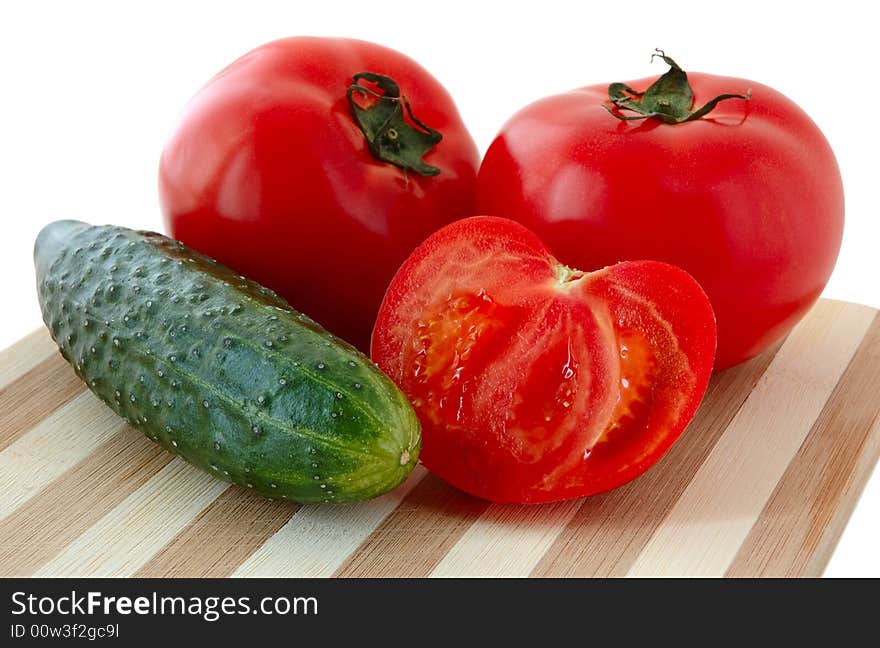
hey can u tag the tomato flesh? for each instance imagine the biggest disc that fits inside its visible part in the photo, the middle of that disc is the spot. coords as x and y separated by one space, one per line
534 382
637 369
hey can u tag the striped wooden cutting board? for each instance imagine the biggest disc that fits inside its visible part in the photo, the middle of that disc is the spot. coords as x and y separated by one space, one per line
761 483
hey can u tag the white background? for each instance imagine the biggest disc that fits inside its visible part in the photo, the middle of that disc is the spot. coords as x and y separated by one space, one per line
90 91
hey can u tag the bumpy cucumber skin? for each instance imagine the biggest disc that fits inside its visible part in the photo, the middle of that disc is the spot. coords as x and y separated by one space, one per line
220 370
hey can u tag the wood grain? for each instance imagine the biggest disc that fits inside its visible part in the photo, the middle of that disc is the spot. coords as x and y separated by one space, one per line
761 483
38 530
35 395
506 541
144 522
804 517
412 541
25 354
52 447
319 538
221 537
702 533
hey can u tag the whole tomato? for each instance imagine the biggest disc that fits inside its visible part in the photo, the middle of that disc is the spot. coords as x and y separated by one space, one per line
314 166
723 177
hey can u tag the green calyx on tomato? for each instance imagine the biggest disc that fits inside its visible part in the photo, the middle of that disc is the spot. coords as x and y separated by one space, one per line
270 173
749 203
390 137
669 99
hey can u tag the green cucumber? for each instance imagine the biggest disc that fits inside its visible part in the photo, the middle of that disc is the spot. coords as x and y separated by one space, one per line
220 370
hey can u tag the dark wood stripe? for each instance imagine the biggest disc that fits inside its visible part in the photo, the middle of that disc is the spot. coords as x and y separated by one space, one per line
804 517
413 540
221 538
609 531
28 400
44 525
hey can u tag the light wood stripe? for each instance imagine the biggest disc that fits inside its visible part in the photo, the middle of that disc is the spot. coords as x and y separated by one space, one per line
21 357
124 539
52 447
709 522
21 407
318 538
222 537
609 531
802 522
412 541
506 541
38 530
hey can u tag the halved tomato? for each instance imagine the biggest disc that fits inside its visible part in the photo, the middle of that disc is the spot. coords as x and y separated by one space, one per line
535 382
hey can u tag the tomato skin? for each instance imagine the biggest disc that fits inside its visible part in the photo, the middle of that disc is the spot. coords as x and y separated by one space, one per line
748 200
268 172
534 382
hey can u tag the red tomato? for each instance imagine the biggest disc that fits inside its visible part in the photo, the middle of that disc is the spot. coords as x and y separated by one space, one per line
535 382
748 199
270 172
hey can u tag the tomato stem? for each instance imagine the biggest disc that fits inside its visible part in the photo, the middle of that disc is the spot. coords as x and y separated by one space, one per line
390 135
566 276
669 99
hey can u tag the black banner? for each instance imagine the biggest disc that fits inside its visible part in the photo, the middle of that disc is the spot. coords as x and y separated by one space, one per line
401 612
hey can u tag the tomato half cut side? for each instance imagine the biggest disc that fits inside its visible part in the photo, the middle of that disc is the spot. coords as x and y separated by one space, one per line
535 382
